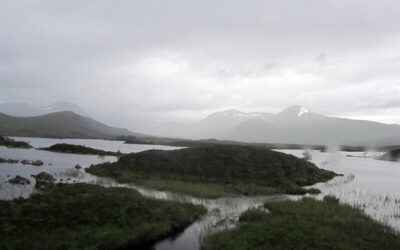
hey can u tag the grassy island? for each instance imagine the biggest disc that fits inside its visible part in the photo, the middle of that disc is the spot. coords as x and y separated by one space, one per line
78 149
10 143
305 224
216 171
83 216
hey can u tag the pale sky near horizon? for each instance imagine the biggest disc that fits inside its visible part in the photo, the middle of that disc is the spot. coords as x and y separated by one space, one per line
181 60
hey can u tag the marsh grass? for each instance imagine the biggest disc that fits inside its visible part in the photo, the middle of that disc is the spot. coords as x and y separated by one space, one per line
383 207
216 171
84 216
305 224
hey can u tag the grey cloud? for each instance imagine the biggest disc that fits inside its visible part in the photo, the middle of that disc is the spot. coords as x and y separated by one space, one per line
177 59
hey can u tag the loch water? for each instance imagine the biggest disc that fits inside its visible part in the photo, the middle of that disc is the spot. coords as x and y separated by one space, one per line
370 184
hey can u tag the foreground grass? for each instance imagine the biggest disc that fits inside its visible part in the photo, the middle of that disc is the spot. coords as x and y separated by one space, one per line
78 149
305 224
10 143
83 216
216 171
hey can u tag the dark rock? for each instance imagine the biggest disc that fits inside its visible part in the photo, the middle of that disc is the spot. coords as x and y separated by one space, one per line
2 160
25 162
19 180
78 166
44 180
37 163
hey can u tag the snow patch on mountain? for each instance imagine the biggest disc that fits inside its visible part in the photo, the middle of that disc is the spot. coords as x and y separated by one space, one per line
302 112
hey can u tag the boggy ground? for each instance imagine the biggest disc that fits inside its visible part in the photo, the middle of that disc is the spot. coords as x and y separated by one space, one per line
304 224
216 170
84 216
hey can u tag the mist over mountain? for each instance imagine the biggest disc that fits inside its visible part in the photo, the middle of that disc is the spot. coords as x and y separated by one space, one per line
116 118
64 124
144 124
216 125
302 126
293 125
27 109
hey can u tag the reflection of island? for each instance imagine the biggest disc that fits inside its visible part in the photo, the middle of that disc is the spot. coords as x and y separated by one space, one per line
133 140
393 155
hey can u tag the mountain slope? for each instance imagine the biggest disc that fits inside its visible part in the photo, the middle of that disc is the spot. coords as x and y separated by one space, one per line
220 123
301 126
63 124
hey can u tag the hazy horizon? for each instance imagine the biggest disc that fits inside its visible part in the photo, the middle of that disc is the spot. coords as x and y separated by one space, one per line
98 115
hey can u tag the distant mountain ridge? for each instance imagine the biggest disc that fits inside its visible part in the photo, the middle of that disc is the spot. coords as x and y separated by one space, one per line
114 118
293 125
217 124
27 109
299 125
64 124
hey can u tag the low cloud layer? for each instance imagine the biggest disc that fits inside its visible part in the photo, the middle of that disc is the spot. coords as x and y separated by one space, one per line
180 60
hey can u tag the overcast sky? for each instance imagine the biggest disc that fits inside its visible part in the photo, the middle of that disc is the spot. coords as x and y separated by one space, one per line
180 60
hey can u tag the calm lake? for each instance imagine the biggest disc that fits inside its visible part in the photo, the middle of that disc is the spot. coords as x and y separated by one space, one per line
367 183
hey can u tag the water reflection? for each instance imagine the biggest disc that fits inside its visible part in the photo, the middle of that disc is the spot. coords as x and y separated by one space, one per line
97 144
367 183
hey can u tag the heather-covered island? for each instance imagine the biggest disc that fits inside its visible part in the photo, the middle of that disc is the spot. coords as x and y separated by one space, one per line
83 216
304 224
78 149
11 143
216 171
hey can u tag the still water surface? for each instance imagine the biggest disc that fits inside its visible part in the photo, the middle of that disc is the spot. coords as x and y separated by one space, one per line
367 183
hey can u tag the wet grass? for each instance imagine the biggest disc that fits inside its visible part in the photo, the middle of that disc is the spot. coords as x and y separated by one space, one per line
84 216
382 206
204 190
305 224
216 171
213 190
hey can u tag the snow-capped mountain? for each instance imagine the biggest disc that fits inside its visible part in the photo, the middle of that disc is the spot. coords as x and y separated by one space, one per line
27 109
296 112
299 125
